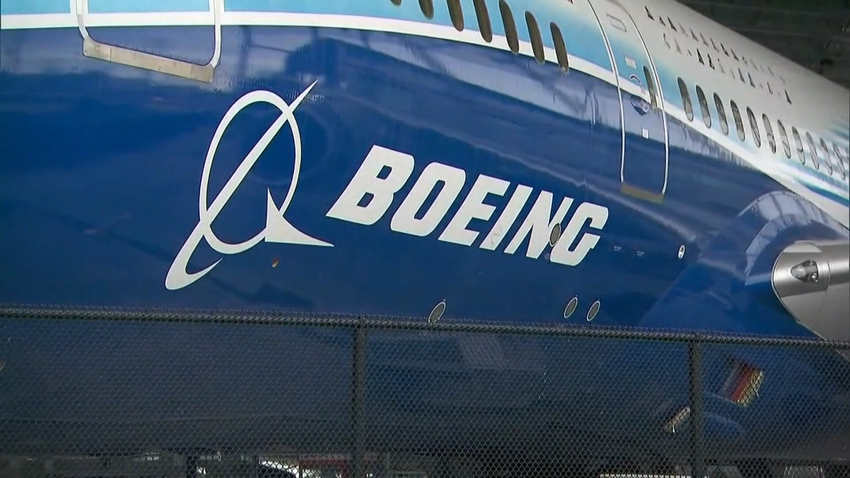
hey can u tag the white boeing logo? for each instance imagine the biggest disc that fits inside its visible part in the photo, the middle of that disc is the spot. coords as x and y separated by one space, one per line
537 225
277 229
370 194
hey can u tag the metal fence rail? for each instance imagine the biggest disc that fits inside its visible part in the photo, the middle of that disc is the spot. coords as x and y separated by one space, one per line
182 393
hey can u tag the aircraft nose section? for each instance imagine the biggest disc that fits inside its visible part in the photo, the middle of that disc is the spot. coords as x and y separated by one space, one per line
812 281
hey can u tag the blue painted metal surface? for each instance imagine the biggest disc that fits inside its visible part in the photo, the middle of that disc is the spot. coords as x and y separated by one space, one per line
100 189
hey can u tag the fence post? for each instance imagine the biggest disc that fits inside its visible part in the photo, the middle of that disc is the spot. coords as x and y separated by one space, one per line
358 391
697 458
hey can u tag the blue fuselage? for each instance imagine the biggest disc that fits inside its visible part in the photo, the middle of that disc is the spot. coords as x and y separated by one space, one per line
99 191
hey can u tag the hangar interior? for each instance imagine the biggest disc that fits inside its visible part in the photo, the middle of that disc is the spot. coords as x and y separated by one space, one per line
813 34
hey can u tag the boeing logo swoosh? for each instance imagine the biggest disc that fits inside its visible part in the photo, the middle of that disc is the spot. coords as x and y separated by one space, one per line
277 229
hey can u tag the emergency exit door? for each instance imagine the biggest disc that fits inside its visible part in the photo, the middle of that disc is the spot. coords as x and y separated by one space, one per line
645 153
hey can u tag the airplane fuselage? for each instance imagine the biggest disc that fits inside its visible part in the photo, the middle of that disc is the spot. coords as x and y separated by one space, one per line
360 158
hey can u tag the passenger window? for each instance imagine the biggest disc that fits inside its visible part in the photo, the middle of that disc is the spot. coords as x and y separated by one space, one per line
754 126
650 84
798 144
783 136
427 7
560 47
842 158
768 129
826 156
510 26
456 14
739 122
721 113
686 100
483 18
813 152
703 107
536 39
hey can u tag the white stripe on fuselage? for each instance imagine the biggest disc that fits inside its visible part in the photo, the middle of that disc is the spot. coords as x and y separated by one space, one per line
785 175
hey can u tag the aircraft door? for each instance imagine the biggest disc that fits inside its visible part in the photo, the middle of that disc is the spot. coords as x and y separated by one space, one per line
92 48
645 153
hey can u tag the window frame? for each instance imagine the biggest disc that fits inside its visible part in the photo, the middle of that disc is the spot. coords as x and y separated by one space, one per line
455 14
827 157
843 159
754 127
536 38
686 99
768 129
739 120
482 16
509 24
561 52
783 137
427 8
703 106
813 150
721 114
650 84
798 145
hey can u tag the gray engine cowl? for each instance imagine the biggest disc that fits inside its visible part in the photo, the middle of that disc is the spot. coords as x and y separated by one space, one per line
812 281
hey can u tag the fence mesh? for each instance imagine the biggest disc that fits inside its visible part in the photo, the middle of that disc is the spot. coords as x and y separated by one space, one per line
106 393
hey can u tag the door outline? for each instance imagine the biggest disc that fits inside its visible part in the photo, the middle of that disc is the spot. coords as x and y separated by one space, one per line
626 188
147 61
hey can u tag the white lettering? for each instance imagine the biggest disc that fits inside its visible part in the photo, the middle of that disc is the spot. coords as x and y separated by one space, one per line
507 218
366 181
473 207
539 225
598 216
404 220
369 195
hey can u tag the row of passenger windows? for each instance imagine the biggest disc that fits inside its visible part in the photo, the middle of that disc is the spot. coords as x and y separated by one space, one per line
483 19
484 27
837 162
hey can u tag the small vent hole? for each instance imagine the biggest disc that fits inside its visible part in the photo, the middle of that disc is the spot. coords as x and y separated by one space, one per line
555 235
594 309
571 307
437 312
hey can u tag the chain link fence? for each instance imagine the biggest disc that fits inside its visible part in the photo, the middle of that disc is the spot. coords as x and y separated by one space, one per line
96 392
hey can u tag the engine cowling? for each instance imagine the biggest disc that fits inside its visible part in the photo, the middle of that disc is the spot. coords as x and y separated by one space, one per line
812 281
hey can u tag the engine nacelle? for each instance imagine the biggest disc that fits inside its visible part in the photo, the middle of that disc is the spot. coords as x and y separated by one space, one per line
812 281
